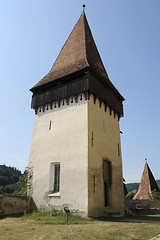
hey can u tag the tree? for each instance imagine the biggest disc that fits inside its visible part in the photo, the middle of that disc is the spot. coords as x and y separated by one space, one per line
156 194
22 184
8 175
131 194
17 182
1 189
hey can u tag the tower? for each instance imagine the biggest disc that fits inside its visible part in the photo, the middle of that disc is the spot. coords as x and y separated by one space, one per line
147 185
75 157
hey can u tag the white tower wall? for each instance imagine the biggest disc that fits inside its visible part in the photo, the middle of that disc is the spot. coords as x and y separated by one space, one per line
60 136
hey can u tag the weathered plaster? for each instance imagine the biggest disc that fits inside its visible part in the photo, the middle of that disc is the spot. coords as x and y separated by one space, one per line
106 137
82 134
66 143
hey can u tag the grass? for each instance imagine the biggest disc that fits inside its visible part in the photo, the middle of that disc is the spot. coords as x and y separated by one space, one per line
55 217
53 225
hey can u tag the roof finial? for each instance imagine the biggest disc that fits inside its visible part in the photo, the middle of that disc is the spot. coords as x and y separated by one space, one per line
84 7
146 160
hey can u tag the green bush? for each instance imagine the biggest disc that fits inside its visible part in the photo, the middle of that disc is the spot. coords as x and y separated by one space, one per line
56 213
156 194
131 194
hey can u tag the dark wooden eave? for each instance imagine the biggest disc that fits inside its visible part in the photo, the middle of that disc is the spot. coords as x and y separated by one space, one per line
83 81
78 68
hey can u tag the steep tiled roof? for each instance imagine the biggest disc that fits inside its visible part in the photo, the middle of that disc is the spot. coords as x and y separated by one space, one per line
147 185
79 52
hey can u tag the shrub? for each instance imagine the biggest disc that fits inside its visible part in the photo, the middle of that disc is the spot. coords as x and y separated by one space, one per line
156 194
131 194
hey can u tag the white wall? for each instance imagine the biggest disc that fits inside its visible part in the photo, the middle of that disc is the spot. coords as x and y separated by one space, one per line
66 143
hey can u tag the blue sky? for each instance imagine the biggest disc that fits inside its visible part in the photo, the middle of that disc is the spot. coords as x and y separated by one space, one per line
127 34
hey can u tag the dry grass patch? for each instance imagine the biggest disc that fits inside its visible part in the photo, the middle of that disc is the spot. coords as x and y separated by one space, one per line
55 227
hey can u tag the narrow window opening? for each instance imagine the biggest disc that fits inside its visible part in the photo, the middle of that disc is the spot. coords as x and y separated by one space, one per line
72 100
50 125
110 111
54 186
63 103
92 139
100 103
81 97
105 107
57 178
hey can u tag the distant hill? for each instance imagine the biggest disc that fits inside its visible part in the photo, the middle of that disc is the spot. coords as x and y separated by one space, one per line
12 181
135 186
9 175
132 186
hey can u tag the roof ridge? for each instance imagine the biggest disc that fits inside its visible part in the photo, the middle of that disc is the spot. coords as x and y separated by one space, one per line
148 176
84 34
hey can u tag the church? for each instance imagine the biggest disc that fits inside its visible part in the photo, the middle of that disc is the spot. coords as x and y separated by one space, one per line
75 157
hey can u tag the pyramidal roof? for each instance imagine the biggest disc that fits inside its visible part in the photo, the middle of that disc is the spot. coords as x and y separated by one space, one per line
79 52
147 185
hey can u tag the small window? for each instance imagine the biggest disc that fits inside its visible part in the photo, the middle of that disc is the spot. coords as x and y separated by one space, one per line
54 177
57 178
50 125
92 139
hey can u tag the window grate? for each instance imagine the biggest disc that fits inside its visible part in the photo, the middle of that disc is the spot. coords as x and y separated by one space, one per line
57 178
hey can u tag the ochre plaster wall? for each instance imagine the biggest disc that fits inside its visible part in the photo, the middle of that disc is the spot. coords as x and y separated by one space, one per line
106 137
66 143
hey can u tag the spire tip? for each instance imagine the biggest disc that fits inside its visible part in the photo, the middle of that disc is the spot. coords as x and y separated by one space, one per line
83 7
